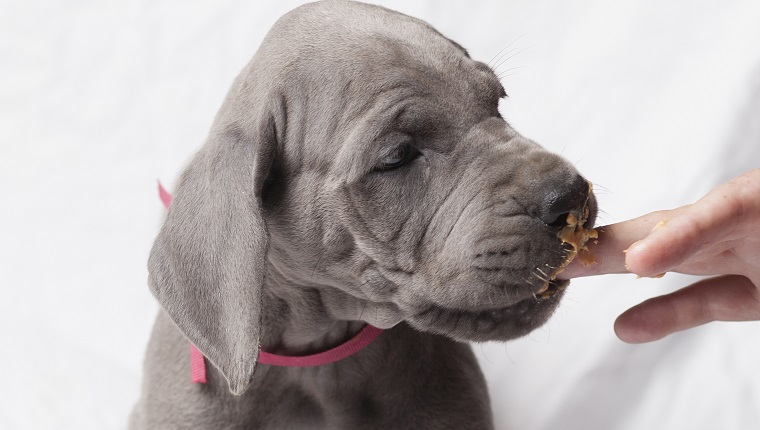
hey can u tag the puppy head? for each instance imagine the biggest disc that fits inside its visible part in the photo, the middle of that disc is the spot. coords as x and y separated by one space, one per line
362 153
404 195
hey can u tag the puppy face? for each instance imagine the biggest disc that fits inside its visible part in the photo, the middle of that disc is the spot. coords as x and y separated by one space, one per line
401 194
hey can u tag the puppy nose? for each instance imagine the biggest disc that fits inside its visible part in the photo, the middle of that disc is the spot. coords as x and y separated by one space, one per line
562 199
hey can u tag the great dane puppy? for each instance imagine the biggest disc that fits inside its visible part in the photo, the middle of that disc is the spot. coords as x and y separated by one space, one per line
357 173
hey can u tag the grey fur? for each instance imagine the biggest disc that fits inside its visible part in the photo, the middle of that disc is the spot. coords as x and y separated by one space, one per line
283 233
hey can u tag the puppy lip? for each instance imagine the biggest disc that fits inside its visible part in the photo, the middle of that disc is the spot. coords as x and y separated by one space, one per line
553 287
497 324
593 210
547 284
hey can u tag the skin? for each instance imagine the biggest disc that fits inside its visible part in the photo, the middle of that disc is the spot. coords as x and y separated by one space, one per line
717 235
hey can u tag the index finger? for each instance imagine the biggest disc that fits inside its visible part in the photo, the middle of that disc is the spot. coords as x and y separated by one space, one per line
609 249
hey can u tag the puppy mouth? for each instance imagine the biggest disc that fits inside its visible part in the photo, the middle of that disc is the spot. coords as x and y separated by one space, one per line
574 236
499 324
523 315
519 316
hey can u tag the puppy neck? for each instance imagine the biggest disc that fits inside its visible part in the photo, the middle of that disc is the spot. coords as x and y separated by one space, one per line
296 322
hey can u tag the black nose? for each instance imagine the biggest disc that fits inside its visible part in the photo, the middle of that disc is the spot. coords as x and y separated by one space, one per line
562 199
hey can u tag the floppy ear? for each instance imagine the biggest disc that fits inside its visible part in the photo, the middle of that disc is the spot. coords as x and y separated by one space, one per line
208 263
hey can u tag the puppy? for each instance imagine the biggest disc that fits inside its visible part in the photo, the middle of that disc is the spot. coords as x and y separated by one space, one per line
357 173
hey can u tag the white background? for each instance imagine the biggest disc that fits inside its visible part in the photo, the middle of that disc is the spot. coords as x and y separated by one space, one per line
655 102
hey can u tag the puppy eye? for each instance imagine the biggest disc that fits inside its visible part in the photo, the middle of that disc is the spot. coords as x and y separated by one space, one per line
401 155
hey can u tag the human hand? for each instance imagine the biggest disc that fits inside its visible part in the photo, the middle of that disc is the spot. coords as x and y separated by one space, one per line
717 235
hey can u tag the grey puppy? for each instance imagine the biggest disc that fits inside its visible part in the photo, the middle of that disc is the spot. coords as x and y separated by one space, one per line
357 172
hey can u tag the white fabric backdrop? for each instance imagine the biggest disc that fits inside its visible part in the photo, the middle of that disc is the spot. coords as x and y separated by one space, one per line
656 102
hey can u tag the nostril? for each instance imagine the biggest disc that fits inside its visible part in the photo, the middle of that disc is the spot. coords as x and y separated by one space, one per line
563 199
560 222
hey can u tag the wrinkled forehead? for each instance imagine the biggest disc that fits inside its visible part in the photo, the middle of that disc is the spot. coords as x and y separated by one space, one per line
358 71
400 86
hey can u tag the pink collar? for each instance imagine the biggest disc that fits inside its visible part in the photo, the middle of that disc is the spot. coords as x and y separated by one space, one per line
351 347
354 345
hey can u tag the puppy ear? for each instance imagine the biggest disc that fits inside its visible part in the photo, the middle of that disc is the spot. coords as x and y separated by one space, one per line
208 263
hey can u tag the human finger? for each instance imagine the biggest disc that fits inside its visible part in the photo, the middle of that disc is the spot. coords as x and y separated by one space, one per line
609 249
723 298
711 220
